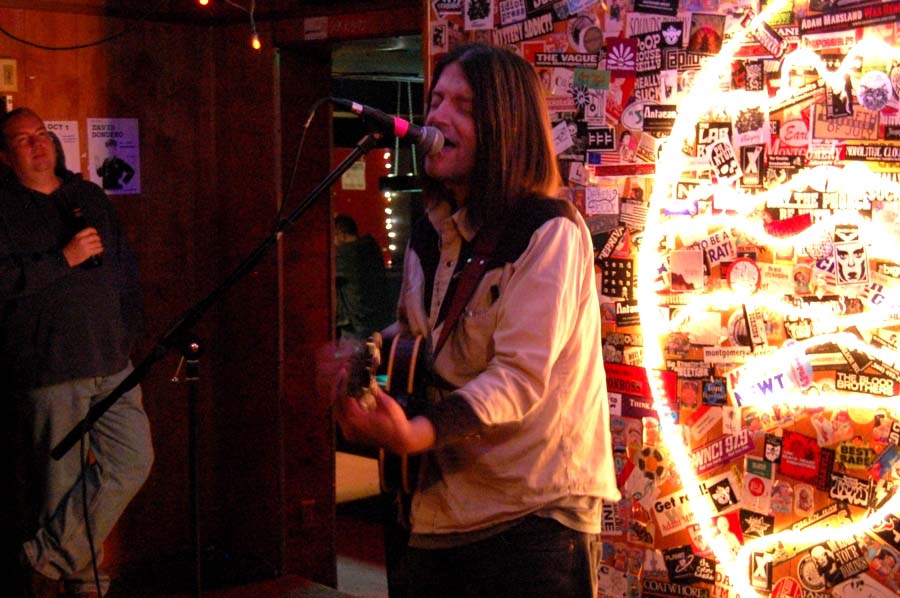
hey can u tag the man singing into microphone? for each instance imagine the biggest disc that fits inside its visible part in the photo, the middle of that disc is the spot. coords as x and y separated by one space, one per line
499 279
67 326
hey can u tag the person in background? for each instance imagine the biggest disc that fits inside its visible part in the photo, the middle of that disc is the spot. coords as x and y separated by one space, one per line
68 323
363 297
515 441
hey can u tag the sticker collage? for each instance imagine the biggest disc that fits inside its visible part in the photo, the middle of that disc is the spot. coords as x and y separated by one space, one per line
738 164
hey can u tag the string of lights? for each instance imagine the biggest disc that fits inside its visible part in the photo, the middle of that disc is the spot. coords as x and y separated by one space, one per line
254 36
737 565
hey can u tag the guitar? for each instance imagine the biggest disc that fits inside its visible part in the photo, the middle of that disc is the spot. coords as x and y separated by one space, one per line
407 379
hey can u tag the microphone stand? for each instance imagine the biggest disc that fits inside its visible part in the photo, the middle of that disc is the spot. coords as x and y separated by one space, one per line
179 333
191 351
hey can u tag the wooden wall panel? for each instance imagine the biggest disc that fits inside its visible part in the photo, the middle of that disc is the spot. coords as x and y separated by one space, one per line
246 504
147 77
188 228
217 121
308 425
143 75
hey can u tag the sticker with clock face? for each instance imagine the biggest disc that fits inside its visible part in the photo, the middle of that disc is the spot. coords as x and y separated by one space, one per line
832 194
744 276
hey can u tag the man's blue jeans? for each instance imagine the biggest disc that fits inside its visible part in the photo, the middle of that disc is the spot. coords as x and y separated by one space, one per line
122 456
538 558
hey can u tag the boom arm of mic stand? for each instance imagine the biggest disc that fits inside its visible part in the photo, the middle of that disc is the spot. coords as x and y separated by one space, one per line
183 325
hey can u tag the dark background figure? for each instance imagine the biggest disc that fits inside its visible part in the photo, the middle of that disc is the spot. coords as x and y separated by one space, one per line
12 475
66 334
114 171
363 296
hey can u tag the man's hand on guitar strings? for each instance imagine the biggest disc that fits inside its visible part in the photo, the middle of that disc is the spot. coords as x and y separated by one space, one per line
375 422
384 426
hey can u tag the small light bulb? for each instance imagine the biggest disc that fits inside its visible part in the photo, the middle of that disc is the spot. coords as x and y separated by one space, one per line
388 211
387 155
387 165
392 247
254 41
203 2
392 234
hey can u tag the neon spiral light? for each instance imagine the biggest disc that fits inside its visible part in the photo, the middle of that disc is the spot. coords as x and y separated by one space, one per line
670 167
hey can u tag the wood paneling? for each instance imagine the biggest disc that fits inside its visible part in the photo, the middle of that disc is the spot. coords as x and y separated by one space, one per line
246 497
219 126
305 77
205 106
144 75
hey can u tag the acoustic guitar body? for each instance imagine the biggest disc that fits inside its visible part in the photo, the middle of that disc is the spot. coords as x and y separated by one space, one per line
406 382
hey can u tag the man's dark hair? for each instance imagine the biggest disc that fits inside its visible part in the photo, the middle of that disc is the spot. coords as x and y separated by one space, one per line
345 224
514 155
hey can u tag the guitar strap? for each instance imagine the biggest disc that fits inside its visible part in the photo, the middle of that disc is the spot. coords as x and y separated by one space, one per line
482 249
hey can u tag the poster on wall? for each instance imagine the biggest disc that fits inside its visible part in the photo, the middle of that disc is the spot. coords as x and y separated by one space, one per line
114 154
65 134
9 80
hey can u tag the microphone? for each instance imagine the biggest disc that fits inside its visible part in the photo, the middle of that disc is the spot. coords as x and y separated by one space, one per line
78 222
428 139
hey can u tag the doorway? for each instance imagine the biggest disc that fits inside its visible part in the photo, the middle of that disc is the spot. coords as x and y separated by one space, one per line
387 74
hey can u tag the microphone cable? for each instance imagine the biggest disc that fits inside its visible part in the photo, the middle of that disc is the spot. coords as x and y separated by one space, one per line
126 29
312 112
87 520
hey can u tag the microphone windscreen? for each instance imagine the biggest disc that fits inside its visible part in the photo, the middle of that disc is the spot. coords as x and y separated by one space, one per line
432 140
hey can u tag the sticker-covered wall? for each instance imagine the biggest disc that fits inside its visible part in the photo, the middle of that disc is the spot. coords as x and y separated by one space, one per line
738 164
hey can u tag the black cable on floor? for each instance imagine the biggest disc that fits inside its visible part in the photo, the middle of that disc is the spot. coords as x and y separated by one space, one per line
87 519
